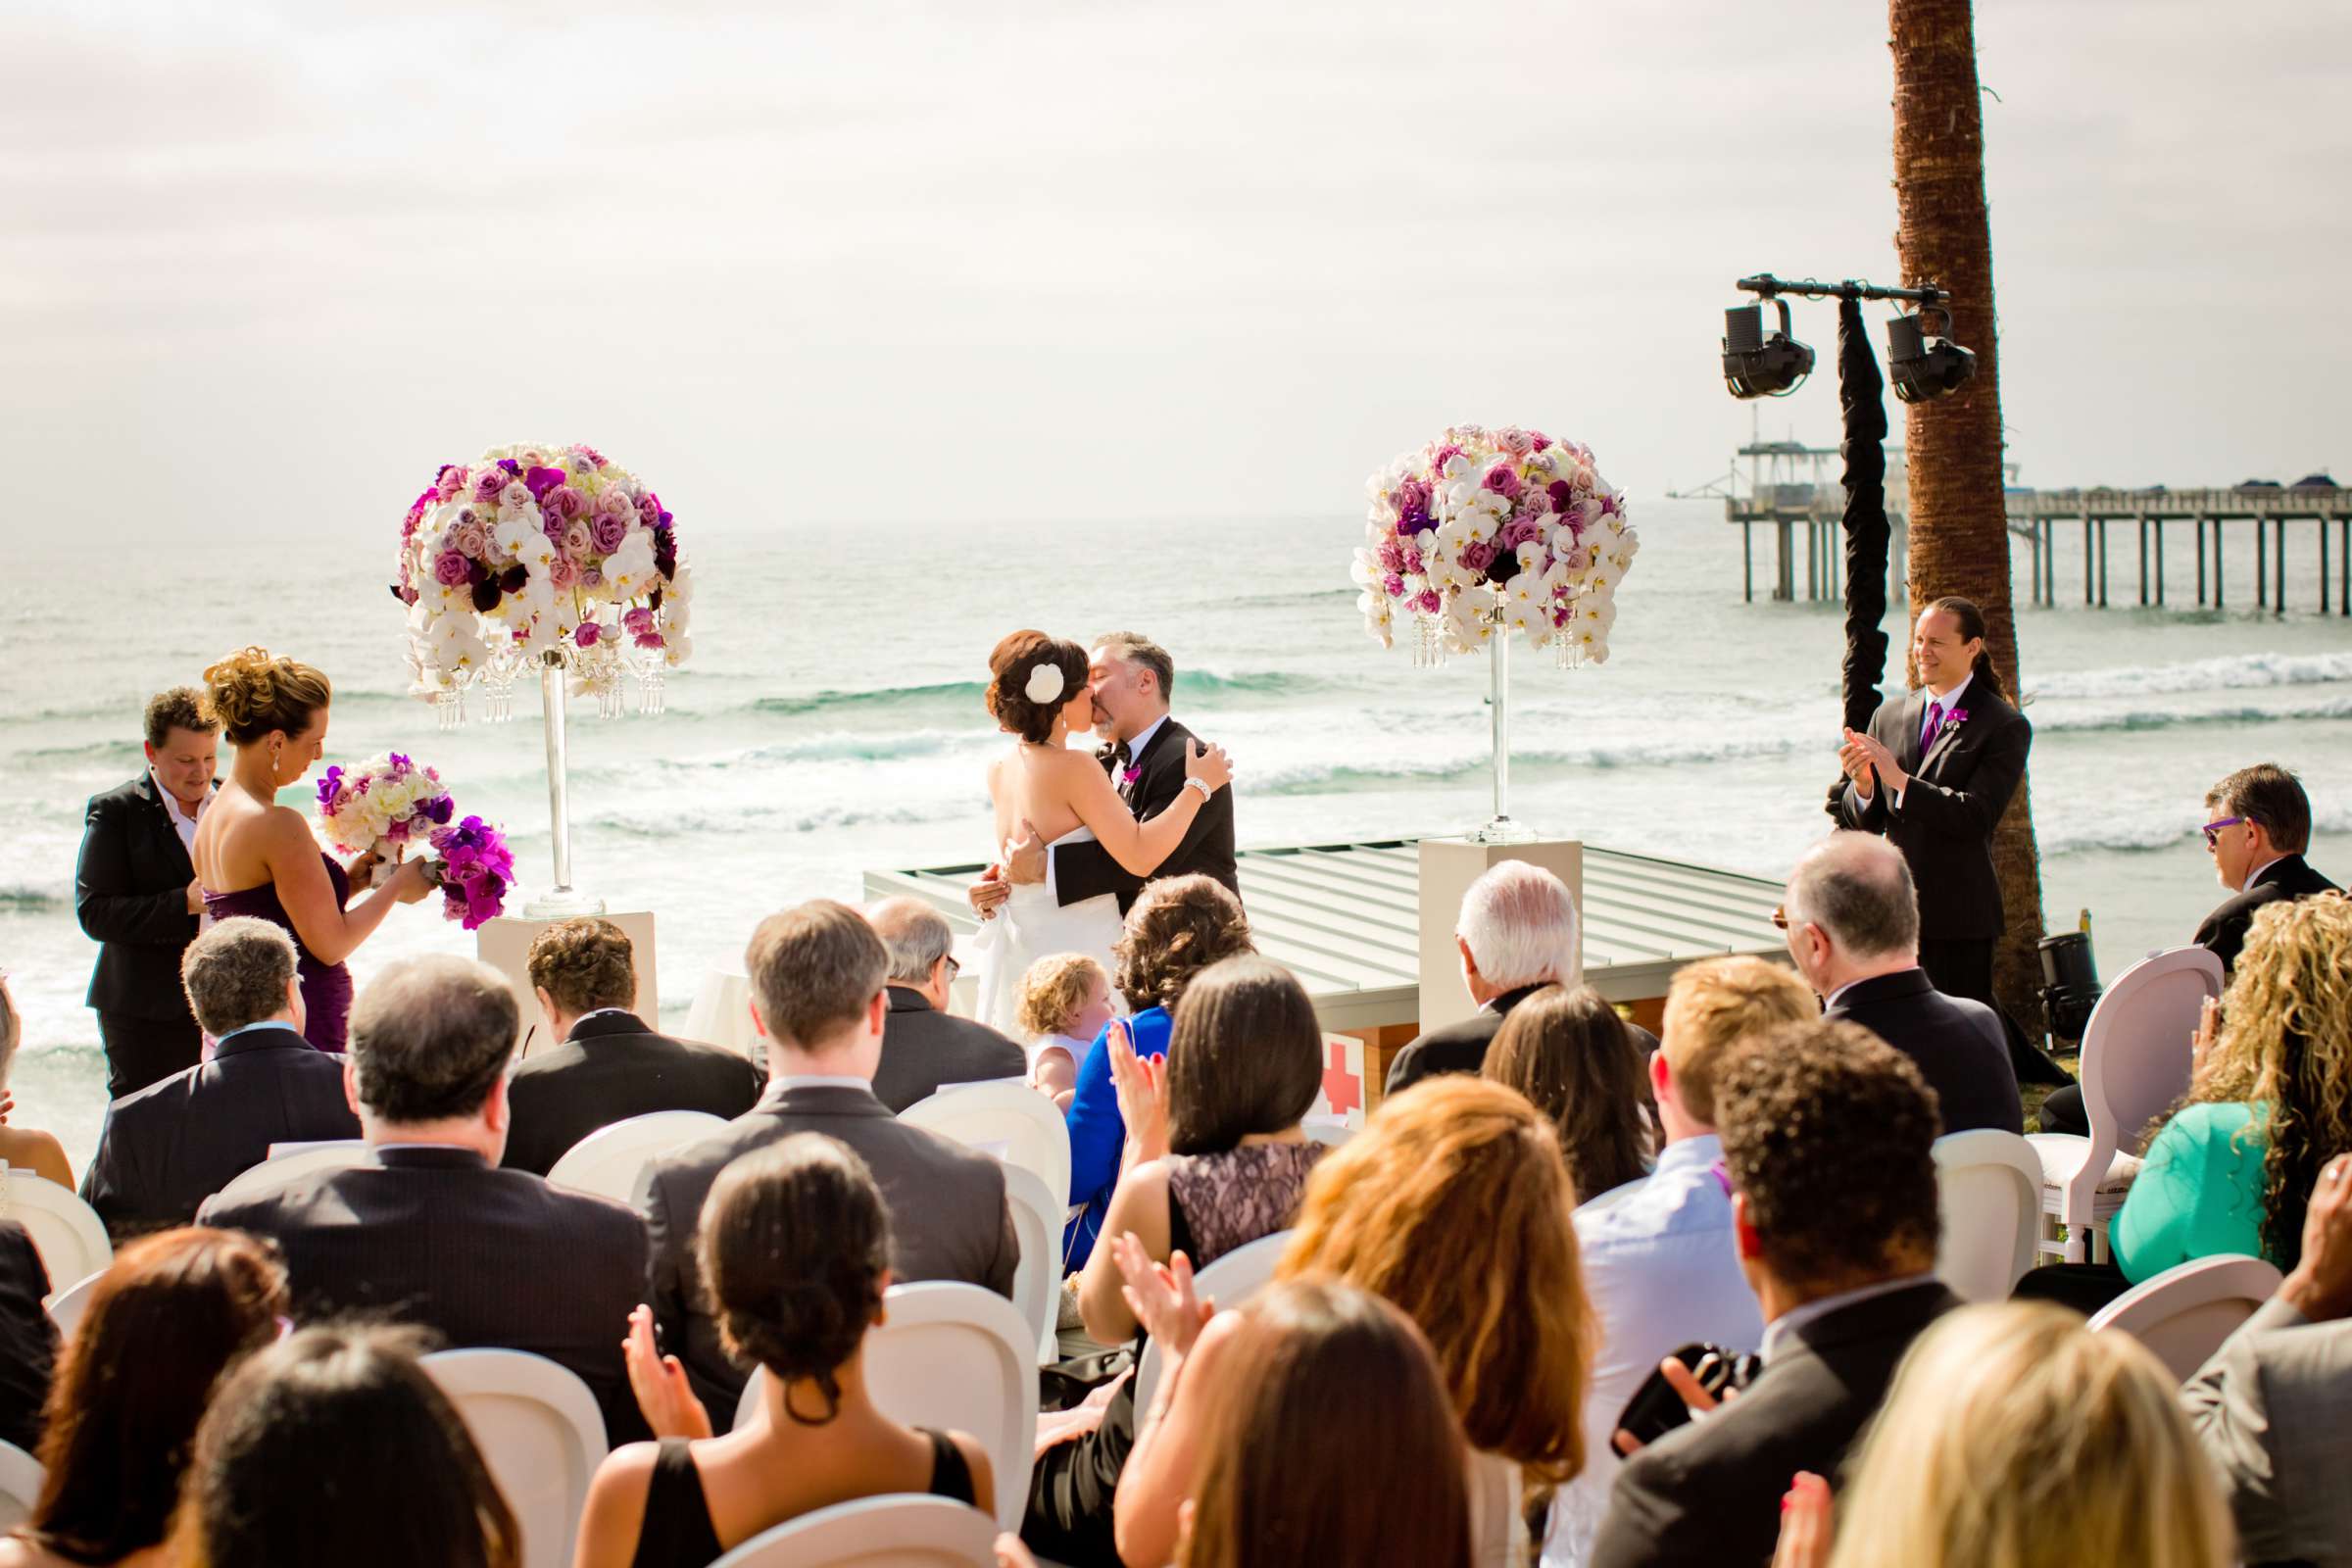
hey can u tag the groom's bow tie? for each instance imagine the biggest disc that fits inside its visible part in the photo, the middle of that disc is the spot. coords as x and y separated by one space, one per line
1115 753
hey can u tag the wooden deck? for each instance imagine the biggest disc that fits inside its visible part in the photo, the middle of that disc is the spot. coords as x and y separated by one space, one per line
1345 919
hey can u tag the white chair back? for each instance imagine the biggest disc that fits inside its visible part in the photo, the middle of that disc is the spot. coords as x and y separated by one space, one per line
955 1359
299 1162
2135 1048
540 1433
2185 1314
1229 1282
1330 1134
891 1532
1989 1189
609 1160
66 1306
1013 1120
65 1231
21 1478
1037 1282
1497 1524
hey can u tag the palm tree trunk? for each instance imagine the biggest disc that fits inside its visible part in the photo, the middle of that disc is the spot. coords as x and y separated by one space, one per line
1959 532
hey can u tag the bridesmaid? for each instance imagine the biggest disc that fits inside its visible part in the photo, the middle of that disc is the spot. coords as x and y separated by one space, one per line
257 858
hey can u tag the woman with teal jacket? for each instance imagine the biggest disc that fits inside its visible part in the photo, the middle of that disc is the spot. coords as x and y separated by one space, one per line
2270 1102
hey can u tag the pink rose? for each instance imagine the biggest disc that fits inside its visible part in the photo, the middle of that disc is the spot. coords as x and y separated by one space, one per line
1504 482
1537 440
1517 442
587 634
488 487
649 639
451 481
563 502
471 538
516 495
616 502
592 578
564 572
576 539
639 621
450 569
606 531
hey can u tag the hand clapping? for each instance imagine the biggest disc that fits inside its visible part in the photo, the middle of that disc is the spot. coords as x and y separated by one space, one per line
1860 754
1142 1085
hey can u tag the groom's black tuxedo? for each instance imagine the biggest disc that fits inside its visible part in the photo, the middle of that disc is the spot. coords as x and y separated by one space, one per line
1957 796
1084 870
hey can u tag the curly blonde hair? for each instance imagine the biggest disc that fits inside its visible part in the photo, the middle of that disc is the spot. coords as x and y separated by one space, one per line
1455 1203
2285 1046
253 693
1056 988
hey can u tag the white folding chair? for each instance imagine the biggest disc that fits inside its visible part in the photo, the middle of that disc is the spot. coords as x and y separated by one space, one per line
540 1433
1229 1281
2135 1062
2185 1314
889 1531
65 1231
1497 1526
20 1477
609 1160
1037 1282
955 1359
298 1162
66 1306
1017 1122
1988 1190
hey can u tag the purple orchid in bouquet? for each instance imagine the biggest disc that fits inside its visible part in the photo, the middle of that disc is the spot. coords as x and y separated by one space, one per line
476 870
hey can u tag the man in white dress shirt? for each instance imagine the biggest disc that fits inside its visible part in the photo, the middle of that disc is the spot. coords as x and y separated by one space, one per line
1661 1267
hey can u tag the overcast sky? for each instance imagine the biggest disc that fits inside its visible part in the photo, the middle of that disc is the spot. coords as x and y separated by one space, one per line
799 263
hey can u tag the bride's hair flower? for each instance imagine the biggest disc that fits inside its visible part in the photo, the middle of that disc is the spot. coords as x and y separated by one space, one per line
1046 682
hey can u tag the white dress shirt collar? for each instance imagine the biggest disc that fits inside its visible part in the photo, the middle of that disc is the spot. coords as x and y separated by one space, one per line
181 823
1135 747
823 1079
1950 700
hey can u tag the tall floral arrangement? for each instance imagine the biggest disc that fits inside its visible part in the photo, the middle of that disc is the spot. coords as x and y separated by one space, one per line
1486 530
391 800
539 546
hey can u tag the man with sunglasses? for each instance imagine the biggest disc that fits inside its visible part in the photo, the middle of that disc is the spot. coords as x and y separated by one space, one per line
2257 828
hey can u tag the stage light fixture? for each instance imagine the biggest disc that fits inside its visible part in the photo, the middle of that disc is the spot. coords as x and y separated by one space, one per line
1758 367
1921 362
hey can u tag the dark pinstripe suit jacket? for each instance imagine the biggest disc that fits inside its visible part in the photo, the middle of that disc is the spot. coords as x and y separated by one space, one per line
948 1215
433 1236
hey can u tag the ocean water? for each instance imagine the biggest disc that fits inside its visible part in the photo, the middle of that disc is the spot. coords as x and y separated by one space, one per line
831 721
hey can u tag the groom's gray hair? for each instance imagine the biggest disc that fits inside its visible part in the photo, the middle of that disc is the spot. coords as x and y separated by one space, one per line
1136 649
1520 923
914 935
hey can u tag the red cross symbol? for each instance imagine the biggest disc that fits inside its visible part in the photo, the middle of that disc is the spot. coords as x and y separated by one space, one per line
1340 1086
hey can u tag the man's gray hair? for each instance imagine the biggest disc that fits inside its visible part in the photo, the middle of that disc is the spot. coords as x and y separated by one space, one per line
1520 923
915 934
236 974
430 1036
1858 889
1136 649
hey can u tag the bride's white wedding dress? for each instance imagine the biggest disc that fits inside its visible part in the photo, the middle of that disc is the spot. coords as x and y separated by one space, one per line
1029 926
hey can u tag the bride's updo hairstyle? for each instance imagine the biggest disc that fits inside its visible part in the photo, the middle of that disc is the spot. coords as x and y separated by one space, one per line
793 1249
1023 667
253 694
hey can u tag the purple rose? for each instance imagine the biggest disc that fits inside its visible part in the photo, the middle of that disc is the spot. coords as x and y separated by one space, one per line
649 639
577 540
563 502
450 569
587 634
1537 441
1442 456
638 621
1427 602
1393 585
1480 555
606 531
486 488
451 481
1503 480
592 577
595 457
1519 532
542 480
649 508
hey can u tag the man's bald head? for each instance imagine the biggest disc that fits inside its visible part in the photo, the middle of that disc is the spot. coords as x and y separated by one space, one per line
1858 890
916 936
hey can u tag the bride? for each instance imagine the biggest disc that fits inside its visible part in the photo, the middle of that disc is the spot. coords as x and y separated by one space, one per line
1037 693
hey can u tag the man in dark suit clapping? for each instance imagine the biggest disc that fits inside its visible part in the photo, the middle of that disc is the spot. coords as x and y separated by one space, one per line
923 1045
816 973
433 1231
136 893
606 1065
171 1146
1131 679
1853 930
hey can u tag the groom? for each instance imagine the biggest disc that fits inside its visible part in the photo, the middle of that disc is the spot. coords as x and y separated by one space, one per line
1131 677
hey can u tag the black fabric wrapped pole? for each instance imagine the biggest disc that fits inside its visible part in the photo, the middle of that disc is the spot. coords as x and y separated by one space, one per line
1862 399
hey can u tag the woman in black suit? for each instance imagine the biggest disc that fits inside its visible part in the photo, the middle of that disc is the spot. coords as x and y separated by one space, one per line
1933 775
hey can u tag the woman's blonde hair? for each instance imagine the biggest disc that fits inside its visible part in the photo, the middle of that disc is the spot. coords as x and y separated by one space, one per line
1054 989
2285 1044
1455 1203
2016 1437
253 693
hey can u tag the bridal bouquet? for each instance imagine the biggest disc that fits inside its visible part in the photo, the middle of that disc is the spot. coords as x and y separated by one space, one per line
390 799
551 545
1506 529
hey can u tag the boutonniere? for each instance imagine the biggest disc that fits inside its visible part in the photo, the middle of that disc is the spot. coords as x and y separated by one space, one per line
1958 715
1132 773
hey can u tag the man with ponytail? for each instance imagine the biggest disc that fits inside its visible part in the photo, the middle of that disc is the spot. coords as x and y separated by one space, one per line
1934 773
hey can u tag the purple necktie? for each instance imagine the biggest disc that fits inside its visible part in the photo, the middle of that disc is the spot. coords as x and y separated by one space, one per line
1927 736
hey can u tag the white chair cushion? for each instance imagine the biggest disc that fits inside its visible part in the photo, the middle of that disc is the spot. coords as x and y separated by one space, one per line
2062 1155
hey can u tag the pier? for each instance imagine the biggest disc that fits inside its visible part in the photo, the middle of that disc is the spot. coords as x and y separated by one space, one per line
1788 487
2215 517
